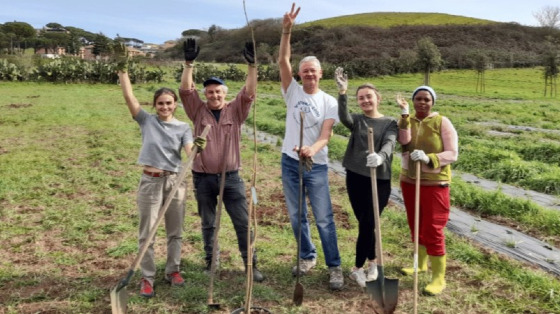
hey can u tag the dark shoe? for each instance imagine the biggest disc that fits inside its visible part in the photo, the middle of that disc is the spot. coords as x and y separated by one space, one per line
209 267
175 279
257 275
146 289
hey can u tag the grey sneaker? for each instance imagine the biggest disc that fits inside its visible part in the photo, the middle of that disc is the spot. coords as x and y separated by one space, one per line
337 280
305 266
372 271
359 276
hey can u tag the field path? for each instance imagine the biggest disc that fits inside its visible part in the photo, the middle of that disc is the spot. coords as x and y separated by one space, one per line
497 238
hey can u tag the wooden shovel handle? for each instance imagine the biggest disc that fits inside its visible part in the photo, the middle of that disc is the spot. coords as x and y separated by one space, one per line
373 176
416 227
218 218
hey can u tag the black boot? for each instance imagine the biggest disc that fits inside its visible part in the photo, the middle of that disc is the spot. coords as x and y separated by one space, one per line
257 275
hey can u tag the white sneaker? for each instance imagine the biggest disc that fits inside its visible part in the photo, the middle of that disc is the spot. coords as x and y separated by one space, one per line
372 271
305 266
359 276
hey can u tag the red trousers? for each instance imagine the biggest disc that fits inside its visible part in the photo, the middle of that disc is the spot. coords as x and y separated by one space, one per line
434 214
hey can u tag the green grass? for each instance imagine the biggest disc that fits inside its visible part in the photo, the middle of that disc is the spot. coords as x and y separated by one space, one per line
69 221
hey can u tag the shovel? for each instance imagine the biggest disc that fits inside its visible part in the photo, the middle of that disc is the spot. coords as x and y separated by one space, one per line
217 219
384 291
298 289
119 297
416 227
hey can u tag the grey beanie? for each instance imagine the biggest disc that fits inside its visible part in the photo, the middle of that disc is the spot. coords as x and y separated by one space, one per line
428 89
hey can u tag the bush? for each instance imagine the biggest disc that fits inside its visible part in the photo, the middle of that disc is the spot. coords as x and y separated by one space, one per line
10 71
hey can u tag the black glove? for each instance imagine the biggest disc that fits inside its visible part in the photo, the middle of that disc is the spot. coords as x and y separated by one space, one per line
191 49
200 143
249 52
120 56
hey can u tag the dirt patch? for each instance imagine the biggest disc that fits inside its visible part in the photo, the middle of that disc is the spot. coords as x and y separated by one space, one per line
17 106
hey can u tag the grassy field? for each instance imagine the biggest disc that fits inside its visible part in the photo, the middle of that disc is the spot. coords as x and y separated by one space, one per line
69 223
390 19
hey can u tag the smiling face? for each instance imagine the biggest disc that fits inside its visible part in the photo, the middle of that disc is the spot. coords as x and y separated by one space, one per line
368 100
165 106
423 103
215 96
310 73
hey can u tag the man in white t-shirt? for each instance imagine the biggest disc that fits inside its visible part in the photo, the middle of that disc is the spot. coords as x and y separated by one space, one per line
321 113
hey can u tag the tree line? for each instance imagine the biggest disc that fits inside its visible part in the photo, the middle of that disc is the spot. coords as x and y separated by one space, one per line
364 51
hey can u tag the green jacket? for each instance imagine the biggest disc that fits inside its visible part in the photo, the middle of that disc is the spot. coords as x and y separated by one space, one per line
436 136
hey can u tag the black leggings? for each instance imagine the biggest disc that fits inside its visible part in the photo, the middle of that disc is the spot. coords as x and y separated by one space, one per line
359 193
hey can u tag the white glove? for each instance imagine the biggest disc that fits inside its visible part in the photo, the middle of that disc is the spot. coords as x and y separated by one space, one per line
341 79
417 155
403 104
374 160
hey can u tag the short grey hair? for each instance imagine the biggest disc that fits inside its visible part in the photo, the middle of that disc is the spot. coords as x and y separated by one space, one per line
310 59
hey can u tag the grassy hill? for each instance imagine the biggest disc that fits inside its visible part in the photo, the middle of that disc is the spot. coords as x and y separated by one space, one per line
384 43
390 19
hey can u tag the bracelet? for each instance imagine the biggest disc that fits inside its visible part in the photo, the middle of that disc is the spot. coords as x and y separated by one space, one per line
189 65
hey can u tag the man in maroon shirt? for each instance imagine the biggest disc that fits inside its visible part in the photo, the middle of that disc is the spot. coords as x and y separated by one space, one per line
224 117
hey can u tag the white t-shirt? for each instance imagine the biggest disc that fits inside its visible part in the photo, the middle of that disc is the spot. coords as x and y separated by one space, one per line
317 107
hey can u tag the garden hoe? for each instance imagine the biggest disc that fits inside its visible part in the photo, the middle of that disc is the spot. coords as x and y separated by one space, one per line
384 291
416 227
217 220
298 290
119 296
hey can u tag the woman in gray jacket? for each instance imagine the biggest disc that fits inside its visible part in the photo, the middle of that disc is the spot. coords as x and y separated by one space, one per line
357 162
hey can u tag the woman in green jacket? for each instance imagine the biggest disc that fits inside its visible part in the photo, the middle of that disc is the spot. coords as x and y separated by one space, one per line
428 138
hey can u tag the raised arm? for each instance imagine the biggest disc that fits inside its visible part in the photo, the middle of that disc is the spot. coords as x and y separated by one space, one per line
251 81
341 80
191 50
121 56
126 86
285 48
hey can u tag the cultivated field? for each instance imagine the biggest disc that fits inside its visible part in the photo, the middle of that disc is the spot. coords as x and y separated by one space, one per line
68 221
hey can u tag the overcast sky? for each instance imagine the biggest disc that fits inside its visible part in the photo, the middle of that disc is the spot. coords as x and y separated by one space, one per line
161 20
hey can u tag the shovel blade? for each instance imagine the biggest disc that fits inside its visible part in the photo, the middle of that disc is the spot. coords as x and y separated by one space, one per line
384 292
298 294
119 298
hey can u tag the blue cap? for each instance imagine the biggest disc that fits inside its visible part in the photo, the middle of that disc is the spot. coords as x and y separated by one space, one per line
428 89
213 80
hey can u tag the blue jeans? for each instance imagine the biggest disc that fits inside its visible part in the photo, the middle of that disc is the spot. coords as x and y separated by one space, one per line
316 188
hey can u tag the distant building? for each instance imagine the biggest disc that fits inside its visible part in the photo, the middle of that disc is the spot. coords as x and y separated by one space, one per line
55 30
60 51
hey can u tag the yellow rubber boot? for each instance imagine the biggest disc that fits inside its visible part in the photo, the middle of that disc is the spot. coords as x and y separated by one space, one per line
438 275
422 262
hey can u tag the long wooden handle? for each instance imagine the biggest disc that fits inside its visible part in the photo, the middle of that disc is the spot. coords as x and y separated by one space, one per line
416 227
218 218
161 214
375 197
300 196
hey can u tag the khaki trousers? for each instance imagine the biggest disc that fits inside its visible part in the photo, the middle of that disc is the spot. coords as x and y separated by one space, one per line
152 193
